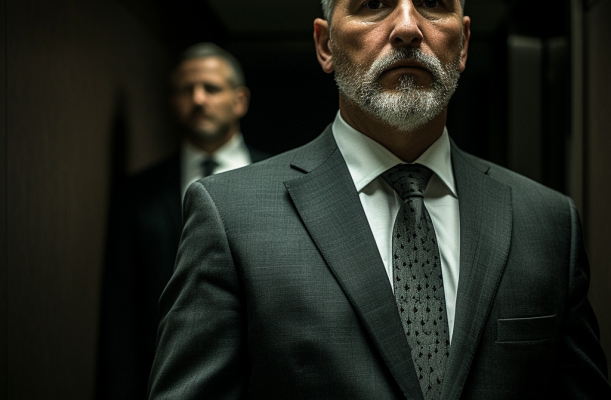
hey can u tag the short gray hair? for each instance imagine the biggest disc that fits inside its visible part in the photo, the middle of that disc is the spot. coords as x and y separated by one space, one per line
207 49
327 8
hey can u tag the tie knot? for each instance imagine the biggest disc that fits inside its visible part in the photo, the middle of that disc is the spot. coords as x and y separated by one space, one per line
208 166
408 180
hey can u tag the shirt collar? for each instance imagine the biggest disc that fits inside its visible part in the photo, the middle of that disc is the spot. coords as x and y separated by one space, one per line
225 154
230 150
367 159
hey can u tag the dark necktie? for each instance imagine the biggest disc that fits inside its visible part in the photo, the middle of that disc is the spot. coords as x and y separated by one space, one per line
417 277
208 166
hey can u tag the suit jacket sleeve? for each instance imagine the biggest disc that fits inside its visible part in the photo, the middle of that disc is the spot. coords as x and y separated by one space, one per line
583 367
201 338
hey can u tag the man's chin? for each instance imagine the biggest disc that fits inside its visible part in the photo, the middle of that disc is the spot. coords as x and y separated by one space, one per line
205 135
208 135
405 92
203 130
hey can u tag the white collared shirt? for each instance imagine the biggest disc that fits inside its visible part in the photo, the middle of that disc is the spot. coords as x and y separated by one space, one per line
233 154
366 160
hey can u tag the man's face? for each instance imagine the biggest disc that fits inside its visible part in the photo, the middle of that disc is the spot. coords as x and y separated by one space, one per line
205 102
399 60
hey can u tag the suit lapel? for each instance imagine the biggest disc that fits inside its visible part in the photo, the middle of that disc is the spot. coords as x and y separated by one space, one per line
485 233
328 203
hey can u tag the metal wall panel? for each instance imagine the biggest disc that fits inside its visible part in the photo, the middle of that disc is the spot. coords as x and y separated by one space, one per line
597 162
525 105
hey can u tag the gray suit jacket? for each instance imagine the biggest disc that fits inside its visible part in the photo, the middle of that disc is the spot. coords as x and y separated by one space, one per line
279 291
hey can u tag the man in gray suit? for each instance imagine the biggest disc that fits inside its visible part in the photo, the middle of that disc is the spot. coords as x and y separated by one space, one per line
380 261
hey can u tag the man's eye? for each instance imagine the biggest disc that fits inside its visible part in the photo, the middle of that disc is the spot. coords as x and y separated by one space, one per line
212 89
373 5
431 3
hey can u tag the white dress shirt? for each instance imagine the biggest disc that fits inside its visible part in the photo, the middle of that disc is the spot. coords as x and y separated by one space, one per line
366 160
233 154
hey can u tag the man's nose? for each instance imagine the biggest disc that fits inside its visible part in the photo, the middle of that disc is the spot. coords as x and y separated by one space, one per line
405 25
199 94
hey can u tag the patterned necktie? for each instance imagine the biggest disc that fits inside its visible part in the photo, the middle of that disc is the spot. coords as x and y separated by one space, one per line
208 166
417 277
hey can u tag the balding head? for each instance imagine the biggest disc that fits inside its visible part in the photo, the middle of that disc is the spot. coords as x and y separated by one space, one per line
205 50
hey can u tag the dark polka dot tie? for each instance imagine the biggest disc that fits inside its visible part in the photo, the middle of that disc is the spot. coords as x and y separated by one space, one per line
417 278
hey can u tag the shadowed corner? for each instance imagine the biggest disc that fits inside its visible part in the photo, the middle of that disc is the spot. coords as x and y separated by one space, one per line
117 174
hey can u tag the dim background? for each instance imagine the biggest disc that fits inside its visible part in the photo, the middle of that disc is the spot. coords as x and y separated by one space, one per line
83 99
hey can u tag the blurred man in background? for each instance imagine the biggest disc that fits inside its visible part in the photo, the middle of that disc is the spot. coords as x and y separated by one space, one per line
208 99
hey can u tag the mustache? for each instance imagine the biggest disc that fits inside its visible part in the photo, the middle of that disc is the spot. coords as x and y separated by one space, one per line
431 63
197 110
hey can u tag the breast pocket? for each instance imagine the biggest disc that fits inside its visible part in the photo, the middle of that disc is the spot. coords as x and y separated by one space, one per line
525 330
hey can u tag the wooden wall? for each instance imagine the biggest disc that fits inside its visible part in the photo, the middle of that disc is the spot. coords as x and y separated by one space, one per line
3 210
80 77
597 165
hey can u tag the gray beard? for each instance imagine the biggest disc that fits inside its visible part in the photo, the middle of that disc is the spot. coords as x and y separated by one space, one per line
410 106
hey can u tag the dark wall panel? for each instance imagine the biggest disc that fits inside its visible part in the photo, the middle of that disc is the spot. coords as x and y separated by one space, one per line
74 69
3 213
598 170
292 99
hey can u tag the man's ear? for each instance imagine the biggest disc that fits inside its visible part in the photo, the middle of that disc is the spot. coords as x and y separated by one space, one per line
466 22
321 39
240 108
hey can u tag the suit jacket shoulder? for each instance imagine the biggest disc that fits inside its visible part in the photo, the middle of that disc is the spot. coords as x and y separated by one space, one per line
273 171
257 155
506 176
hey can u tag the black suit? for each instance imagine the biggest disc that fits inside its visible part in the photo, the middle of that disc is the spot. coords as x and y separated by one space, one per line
144 232
279 291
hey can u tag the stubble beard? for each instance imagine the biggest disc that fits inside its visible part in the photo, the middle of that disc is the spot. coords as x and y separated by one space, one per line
409 106
218 132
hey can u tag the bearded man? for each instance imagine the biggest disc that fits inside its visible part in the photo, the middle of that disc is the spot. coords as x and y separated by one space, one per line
380 261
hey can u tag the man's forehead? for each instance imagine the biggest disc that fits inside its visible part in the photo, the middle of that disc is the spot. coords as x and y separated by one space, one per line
211 66
208 64
333 4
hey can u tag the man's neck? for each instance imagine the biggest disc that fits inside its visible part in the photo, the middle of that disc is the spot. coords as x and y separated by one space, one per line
407 146
210 146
